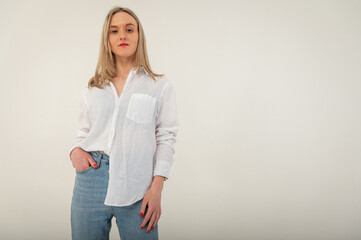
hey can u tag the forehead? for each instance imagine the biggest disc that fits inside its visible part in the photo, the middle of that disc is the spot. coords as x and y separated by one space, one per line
122 18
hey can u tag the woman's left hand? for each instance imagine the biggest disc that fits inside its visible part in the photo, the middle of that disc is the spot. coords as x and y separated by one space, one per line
153 199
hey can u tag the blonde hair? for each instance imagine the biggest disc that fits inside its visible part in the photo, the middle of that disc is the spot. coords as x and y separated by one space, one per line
106 67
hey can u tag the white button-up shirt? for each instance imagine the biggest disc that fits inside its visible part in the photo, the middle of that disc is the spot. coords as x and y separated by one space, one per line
136 129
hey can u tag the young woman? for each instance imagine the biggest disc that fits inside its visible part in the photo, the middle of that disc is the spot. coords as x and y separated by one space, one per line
123 150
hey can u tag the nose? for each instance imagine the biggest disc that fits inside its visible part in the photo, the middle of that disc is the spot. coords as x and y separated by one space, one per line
122 35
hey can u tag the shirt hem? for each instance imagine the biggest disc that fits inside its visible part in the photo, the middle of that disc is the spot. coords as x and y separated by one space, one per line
124 204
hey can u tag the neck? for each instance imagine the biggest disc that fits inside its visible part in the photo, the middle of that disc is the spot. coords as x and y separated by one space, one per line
124 65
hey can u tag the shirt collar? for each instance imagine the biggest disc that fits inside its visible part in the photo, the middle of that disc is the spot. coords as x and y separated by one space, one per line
134 71
141 69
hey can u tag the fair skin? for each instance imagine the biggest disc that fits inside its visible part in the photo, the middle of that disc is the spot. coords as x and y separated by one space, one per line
123 29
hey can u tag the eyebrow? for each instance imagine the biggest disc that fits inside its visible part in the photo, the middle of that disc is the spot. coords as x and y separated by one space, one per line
120 24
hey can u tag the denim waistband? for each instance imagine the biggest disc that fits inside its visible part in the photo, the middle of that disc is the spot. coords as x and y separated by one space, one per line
99 157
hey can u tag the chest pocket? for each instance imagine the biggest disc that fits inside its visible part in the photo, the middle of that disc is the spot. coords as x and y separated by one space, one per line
141 108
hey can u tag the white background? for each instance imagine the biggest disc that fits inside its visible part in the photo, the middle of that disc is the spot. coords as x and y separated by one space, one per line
268 97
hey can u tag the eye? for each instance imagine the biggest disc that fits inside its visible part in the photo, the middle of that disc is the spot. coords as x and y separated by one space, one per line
130 29
114 31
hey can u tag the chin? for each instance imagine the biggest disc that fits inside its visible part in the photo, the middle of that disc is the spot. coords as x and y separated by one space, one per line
123 55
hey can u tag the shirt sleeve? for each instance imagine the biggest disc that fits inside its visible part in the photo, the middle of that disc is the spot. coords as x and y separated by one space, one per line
166 131
84 122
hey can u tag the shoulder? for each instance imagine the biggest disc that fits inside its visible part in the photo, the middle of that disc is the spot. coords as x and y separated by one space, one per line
89 93
162 81
157 84
166 88
86 91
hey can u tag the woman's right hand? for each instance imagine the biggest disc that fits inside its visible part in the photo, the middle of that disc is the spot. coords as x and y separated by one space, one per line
81 159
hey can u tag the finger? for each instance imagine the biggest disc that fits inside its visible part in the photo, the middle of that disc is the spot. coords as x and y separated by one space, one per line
153 223
142 208
156 220
152 220
147 217
92 162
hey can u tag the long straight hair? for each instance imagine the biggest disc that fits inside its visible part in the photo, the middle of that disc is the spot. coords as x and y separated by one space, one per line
106 67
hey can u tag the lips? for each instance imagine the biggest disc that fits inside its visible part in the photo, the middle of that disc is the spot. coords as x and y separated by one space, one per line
123 44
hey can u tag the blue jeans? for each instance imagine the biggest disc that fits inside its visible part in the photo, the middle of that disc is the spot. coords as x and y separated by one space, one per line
92 219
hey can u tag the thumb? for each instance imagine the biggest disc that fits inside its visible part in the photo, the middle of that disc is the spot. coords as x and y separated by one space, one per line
92 162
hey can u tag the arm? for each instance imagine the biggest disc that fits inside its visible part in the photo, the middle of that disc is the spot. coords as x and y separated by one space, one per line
166 131
84 123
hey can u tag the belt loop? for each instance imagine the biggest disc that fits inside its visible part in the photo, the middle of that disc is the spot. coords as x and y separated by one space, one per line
97 160
96 157
100 158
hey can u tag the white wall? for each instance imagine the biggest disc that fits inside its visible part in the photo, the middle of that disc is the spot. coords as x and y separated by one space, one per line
268 96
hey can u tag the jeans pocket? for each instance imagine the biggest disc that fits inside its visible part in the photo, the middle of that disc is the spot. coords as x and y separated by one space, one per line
85 170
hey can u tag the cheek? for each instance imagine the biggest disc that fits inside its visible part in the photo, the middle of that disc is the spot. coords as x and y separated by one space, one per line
135 42
112 41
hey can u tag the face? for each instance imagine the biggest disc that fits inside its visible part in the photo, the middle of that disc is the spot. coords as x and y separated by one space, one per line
123 29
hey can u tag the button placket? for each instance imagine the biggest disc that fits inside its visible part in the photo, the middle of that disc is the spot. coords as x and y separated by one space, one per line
112 125
117 101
